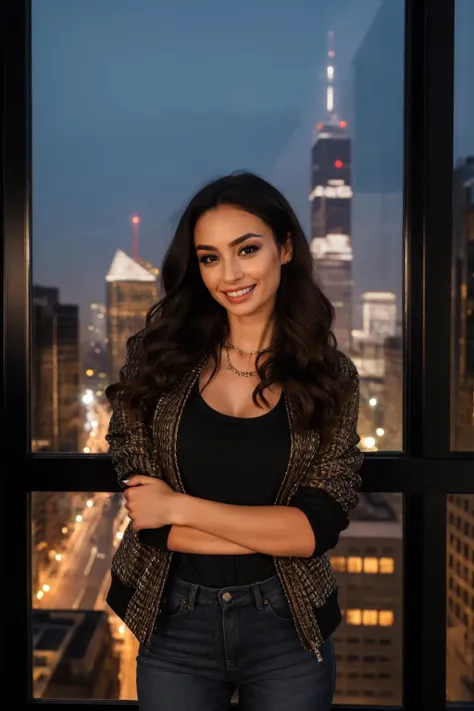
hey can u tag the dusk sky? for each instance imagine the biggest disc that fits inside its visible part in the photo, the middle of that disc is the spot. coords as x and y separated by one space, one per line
137 103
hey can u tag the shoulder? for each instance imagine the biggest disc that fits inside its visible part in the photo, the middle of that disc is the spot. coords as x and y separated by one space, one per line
135 342
134 354
348 376
347 367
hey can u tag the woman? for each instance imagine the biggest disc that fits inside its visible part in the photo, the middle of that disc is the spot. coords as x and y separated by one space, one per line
234 431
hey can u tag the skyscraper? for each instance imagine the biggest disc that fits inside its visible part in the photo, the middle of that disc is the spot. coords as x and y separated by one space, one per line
379 314
368 562
331 180
55 407
132 288
460 590
97 327
330 196
462 346
95 354
392 439
332 259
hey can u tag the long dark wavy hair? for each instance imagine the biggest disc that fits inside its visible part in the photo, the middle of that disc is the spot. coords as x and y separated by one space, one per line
188 324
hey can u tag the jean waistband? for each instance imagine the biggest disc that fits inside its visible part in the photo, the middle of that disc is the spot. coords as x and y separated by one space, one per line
252 593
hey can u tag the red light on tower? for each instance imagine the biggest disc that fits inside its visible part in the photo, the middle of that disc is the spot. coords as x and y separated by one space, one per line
342 124
338 163
135 224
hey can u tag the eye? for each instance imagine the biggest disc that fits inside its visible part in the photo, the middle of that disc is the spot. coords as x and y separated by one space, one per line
252 247
206 257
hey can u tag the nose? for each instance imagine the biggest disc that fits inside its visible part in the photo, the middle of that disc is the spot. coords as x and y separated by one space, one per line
233 271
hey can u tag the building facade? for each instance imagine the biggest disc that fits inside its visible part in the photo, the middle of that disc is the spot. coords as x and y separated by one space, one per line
460 588
368 562
132 288
55 373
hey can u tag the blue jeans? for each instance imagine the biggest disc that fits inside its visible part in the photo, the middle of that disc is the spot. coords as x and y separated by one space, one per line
207 643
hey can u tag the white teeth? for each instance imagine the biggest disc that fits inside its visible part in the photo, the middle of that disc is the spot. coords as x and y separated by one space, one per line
241 292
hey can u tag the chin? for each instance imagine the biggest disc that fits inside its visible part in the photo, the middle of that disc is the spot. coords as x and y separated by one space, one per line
243 309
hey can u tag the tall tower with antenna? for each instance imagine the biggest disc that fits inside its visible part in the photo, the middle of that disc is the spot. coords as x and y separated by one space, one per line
331 197
330 76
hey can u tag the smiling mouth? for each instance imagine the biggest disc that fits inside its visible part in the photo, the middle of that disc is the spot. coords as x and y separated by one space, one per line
240 292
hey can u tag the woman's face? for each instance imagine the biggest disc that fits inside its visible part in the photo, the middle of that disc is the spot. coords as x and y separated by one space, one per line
239 260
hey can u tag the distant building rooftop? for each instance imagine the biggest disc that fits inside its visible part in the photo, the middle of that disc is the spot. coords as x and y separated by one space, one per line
125 268
378 296
51 628
376 516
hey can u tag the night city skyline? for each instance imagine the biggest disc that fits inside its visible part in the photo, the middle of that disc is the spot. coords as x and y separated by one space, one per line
99 158
105 148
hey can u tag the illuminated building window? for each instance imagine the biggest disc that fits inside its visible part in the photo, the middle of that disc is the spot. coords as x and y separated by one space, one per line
354 617
371 565
369 618
338 564
386 565
354 565
385 618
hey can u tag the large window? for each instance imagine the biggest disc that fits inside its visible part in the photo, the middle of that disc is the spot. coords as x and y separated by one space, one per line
168 96
460 508
120 142
80 649
74 537
362 113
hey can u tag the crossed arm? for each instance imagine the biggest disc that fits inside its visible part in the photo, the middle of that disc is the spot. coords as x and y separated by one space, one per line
212 528
184 539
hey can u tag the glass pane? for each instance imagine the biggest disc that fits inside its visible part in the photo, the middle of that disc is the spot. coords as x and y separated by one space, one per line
462 391
80 649
124 135
460 603
74 536
368 564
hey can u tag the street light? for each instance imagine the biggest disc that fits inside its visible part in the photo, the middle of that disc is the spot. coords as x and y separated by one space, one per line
88 397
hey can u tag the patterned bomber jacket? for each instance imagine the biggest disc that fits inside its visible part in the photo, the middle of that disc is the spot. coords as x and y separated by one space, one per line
152 450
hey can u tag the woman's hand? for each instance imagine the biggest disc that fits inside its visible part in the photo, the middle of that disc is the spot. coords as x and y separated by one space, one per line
150 502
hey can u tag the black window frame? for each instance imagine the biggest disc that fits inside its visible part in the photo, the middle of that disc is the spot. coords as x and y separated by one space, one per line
425 472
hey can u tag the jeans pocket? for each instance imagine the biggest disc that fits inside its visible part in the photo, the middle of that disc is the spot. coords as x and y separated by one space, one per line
173 606
278 606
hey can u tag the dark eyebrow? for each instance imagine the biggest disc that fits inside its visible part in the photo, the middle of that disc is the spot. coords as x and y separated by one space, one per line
237 240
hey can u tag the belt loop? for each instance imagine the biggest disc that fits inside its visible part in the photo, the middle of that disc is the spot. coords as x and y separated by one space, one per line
257 595
192 595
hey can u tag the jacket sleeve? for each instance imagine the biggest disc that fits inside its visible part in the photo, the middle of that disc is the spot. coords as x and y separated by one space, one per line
331 492
130 442
325 515
155 537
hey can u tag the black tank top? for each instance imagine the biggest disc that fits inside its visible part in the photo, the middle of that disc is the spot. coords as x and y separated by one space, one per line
232 460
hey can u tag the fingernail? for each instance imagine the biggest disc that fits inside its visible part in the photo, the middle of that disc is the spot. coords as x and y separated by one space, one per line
125 481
